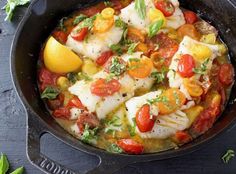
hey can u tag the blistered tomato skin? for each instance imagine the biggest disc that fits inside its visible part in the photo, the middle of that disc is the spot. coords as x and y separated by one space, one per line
143 119
226 74
186 65
130 146
166 7
190 17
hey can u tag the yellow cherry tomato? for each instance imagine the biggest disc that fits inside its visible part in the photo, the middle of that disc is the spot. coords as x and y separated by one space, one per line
59 58
155 15
108 13
193 88
102 25
201 52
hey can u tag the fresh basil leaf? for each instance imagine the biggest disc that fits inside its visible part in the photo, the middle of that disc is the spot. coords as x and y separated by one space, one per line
132 129
132 48
4 165
154 28
203 68
117 48
84 76
19 170
140 7
79 19
88 22
11 5
114 148
50 93
163 99
73 77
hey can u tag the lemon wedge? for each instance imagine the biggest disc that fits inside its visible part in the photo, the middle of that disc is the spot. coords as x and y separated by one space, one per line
60 59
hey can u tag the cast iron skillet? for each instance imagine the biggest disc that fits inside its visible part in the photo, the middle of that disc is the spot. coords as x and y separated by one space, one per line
38 22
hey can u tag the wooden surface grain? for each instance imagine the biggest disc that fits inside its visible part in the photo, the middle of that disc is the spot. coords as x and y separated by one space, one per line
13 130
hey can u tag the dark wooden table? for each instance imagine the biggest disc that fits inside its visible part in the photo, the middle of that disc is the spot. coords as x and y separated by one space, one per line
13 130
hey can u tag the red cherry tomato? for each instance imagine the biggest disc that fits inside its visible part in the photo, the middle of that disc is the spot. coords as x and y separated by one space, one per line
75 102
87 118
206 119
104 88
182 137
80 35
190 17
143 120
226 74
103 58
166 7
47 78
186 65
63 113
130 146
60 36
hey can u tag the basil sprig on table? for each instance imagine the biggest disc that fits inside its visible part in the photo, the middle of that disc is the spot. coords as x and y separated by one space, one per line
11 5
140 7
228 156
154 28
4 166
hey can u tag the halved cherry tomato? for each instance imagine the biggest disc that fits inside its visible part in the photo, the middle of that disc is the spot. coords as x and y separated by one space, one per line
103 58
165 6
172 99
135 35
182 137
188 30
143 119
102 25
63 113
140 69
80 35
130 146
103 88
75 102
186 65
60 36
190 17
226 74
193 87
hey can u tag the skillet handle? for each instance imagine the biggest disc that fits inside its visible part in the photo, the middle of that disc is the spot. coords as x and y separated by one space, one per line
107 164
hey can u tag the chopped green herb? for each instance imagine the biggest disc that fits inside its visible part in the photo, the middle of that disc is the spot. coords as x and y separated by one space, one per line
134 60
61 25
79 19
132 48
132 129
154 28
228 156
158 76
4 165
89 136
88 22
117 48
114 148
19 170
163 99
11 5
84 76
50 93
108 3
203 68
117 67
113 125
110 77
140 7
121 24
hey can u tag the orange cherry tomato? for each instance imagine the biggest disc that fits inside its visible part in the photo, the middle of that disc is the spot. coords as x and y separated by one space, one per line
188 30
190 17
104 57
226 74
186 65
141 68
143 120
130 146
165 6
80 35
104 88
